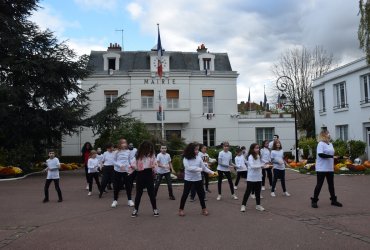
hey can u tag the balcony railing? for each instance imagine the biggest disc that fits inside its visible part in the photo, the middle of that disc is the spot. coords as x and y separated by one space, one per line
341 106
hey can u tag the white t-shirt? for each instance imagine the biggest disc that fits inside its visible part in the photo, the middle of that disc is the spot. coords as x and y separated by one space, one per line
224 158
241 163
100 159
265 155
109 158
164 160
53 168
254 169
277 158
194 168
324 164
92 165
122 160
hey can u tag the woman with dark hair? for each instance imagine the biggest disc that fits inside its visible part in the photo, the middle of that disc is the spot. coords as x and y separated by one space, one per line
144 164
85 154
194 167
277 159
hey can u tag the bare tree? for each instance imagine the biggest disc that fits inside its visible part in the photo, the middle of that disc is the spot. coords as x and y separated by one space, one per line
302 66
364 27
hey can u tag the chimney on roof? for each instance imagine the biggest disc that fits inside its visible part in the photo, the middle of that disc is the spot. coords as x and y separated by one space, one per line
114 47
202 48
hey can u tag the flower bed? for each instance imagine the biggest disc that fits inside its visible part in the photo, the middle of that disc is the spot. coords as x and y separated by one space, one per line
10 172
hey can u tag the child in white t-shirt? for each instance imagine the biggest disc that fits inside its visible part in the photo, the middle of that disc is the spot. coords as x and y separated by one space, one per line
164 169
93 172
52 168
241 167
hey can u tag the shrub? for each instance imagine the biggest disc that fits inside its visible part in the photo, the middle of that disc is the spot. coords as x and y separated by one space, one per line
356 148
340 147
307 144
177 163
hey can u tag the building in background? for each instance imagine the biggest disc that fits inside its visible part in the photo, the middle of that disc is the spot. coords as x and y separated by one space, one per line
199 96
342 102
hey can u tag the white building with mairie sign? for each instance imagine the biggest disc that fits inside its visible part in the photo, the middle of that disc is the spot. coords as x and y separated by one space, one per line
342 102
199 95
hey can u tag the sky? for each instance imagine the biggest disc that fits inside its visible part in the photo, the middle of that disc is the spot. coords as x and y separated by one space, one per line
254 33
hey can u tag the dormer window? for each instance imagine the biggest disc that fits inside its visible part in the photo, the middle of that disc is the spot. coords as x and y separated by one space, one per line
207 63
112 63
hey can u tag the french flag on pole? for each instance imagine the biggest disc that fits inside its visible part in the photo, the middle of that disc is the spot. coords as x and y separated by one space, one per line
159 55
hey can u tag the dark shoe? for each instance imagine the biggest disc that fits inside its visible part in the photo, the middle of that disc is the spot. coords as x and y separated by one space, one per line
172 197
109 187
100 195
314 202
45 200
334 202
134 213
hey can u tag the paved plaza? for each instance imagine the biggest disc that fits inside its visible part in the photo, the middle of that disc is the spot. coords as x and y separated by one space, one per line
87 222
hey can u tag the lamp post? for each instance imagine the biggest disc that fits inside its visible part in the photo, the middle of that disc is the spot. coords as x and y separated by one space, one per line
282 84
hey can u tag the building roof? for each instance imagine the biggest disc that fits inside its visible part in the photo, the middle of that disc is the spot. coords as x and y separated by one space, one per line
140 60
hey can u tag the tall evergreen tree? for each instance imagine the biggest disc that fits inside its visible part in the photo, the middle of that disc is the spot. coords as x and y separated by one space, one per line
364 28
40 95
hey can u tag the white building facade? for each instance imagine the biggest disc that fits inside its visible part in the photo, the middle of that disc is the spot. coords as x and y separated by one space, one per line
342 102
199 97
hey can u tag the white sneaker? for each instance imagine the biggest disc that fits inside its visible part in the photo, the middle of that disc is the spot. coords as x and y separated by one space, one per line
286 194
260 208
263 188
89 194
242 209
130 203
87 187
234 197
253 196
273 194
114 204
235 188
218 197
261 197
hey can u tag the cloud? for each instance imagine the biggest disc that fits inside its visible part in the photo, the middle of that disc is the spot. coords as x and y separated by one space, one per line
135 10
97 4
254 33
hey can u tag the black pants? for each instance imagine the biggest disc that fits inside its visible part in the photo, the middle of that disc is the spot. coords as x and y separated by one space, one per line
228 176
144 179
94 176
206 180
278 174
240 174
119 179
252 185
320 181
199 189
57 188
108 173
269 176
86 173
133 178
167 176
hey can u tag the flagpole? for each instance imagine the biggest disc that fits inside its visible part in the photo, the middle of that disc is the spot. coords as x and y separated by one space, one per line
159 54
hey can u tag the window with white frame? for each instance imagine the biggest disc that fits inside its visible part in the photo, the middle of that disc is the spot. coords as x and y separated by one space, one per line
172 96
147 99
206 63
171 134
340 96
209 137
322 101
365 82
208 101
264 134
110 96
342 132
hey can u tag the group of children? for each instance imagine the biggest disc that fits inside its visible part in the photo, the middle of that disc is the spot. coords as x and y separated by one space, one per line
126 164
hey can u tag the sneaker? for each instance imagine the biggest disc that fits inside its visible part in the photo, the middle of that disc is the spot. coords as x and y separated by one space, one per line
242 208
218 197
253 196
260 208
155 213
134 214
172 197
205 212
87 187
100 194
45 200
114 204
60 200
89 194
130 203
273 194
192 199
234 197
286 194
261 197
205 198
235 188
263 188
208 191
181 213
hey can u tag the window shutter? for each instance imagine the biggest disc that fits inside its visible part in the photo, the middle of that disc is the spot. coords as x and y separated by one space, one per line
111 92
172 93
208 93
147 92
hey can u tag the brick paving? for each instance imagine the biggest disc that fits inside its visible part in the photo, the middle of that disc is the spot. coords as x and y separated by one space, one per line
87 222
